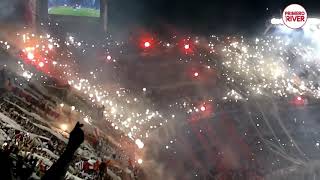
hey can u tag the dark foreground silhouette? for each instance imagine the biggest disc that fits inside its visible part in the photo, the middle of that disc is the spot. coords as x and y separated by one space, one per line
57 171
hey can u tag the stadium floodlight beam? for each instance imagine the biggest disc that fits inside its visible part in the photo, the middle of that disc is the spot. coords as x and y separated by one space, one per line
312 24
310 21
276 21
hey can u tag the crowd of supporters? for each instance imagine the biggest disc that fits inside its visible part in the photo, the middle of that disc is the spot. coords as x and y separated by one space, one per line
28 137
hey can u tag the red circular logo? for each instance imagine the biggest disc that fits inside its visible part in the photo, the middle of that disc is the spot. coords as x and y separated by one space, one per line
294 16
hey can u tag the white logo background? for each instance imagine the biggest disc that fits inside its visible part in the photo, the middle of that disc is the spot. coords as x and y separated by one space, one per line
294 16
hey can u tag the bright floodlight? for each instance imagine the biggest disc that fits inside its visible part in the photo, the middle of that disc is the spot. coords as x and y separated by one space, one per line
311 28
140 161
310 21
186 46
276 21
313 21
196 74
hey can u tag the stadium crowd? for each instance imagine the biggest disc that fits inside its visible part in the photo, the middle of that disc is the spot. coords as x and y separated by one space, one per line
34 145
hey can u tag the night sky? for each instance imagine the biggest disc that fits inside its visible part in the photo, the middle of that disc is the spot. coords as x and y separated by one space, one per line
202 16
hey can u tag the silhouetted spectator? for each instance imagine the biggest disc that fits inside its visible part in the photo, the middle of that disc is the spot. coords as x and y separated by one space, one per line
5 166
102 170
58 169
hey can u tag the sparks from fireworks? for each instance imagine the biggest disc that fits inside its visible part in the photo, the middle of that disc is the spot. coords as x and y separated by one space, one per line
117 104
262 67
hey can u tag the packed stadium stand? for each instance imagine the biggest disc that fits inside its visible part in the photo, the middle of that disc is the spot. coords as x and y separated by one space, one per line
34 141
